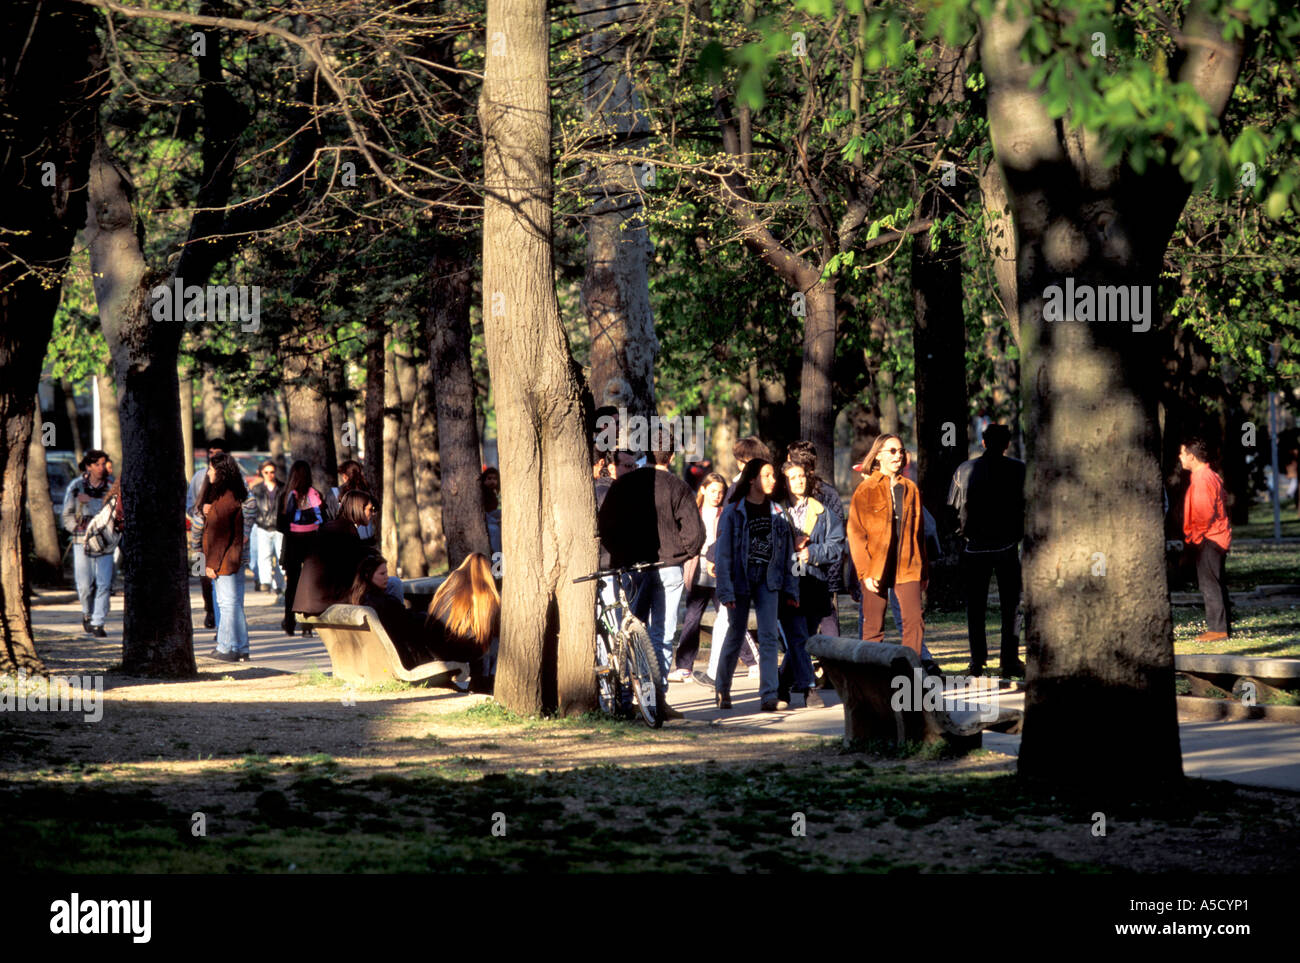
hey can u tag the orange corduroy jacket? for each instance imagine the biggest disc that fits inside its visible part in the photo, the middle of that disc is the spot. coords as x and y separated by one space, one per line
871 528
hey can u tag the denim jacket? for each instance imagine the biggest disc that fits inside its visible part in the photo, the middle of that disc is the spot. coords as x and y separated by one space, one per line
732 554
826 539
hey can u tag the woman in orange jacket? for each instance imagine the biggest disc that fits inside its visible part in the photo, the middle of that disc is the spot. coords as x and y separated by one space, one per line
887 541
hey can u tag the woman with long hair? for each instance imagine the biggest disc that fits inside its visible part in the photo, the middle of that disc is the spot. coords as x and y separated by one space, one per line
221 498
753 559
699 576
886 533
301 516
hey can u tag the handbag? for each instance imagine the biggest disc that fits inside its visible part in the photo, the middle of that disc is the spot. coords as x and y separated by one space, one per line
102 533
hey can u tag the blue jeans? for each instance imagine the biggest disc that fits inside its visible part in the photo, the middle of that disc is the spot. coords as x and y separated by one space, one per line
765 603
93 573
796 667
265 551
232 627
656 605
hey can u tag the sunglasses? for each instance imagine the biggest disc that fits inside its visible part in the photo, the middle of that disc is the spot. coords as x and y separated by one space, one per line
891 451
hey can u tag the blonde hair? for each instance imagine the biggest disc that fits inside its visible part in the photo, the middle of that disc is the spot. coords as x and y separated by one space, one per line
467 604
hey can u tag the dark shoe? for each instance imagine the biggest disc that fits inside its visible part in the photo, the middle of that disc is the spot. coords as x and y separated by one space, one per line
769 706
223 656
245 657
931 667
209 621
98 631
722 700
1016 670
671 713
782 694
704 679
288 625
307 632
975 670
264 588
85 626
813 699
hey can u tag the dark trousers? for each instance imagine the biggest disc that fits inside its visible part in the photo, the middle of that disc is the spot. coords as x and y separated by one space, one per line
909 600
294 554
205 586
1213 580
697 601
978 568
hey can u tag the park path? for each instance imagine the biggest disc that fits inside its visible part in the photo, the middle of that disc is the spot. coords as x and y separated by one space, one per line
1252 753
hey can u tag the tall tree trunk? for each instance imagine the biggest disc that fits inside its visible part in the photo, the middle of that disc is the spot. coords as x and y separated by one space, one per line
1098 622
345 430
426 465
724 416
389 540
616 286
311 438
406 508
816 404
270 412
49 74
213 405
68 392
186 398
447 330
110 425
548 505
41 511
374 402
157 631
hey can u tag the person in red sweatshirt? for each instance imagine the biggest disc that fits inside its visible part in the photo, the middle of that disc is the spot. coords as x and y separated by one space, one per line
1206 528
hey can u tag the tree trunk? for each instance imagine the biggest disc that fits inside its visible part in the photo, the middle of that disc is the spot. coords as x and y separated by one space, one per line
816 403
410 545
110 426
68 391
42 513
447 330
49 61
311 438
548 520
344 429
724 416
270 411
616 287
373 447
186 398
1098 622
425 461
389 540
214 406
157 632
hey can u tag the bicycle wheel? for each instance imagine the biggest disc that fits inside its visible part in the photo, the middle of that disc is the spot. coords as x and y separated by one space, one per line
643 670
606 677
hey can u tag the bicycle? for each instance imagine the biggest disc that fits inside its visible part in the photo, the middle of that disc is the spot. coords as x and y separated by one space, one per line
625 657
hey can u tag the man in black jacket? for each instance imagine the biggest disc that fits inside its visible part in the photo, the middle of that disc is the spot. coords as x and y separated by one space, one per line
649 515
988 494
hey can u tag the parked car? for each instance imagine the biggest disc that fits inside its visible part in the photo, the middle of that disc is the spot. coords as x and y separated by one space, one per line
60 470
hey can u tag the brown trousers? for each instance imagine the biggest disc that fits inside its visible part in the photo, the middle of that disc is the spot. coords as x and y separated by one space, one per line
909 600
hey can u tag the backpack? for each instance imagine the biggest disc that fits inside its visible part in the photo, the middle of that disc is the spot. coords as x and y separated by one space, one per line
102 533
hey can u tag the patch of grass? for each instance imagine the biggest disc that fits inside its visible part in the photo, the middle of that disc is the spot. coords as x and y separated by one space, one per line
1273 631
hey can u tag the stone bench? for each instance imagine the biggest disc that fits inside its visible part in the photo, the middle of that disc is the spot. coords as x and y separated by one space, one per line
362 653
419 592
1271 677
872 677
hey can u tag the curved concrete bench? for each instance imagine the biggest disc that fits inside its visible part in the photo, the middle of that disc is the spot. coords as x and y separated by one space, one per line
361 651
872 677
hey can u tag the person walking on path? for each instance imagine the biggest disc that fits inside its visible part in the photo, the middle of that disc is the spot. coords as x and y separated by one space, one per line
1207 529
301 516
886 536
699 576
649 515
754 551
221 501
94 573
268 542
216 446
988 495
818 535
804 454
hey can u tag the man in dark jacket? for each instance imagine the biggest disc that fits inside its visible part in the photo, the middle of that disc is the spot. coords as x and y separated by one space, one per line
649 515
988 494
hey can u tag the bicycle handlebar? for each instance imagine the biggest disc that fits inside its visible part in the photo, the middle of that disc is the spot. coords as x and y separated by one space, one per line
640 566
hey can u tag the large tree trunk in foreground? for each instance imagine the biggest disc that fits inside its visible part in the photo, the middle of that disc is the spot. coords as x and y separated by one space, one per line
447 330
157 630
49 64
41 512
548 517
1099 634
616 287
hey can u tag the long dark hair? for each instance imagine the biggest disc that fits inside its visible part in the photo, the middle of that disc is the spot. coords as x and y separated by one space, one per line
366 569
230 478
299 483
751 471
352 478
